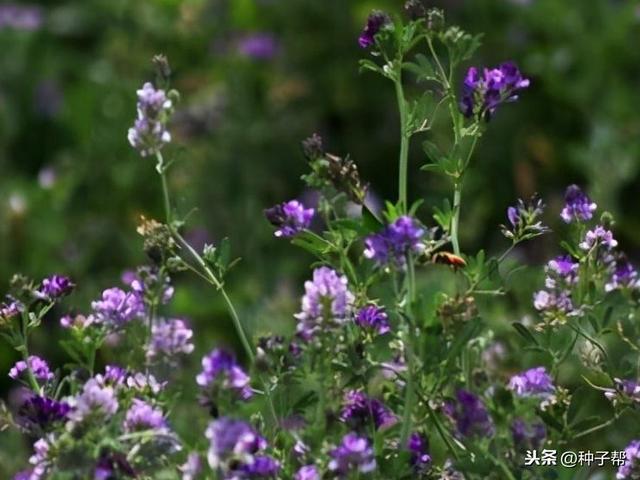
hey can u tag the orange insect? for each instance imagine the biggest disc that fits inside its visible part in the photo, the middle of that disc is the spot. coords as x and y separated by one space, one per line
449 258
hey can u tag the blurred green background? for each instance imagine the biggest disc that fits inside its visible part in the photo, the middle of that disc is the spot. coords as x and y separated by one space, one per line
72 189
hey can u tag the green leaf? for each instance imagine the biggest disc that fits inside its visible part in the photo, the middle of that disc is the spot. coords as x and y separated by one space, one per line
468 332
525 333
443 216
366 64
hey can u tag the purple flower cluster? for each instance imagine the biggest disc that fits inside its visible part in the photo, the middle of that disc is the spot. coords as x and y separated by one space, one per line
469 415
38 367
169 339
289 218
149 132
220 371
359 411
54 287
631 468
95 401
142 416
236 450
395 242
599 237
482 94
258 46
555 300
528 436
535 382
40 459
146 281
41 412
113 465
353 455
9 309
327 301
420 459
116 308
622 275
373 318
578 206
375 22
524 218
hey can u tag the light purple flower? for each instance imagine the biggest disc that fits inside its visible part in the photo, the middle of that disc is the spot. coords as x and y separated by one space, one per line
395 242
625 390
95 400
528 436
149 132
146 281
289 218
631 468
354 454
220 371
37 365
117 307
40 458
375 22
599 236
229 438
482 94
169 339
374 318
192 467
578 206
532 382
10 308
145 383
327 301
307 472
54 287
142 416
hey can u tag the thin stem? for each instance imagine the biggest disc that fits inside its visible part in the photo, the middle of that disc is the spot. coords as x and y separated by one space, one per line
404 141
409 387
502 466
457 198
25 353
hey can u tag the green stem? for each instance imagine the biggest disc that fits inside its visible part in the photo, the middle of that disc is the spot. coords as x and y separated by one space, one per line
404 142
214 281
502 466
409 387
457 198
25 354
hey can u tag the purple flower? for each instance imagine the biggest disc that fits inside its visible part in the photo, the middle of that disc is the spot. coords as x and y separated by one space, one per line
113 465
191 468
149 132
308 472
599 236
327 300
528 436
578 206
359 411
95 400
625 390
531 383
231 439
142 416
375 22
38 367
261 466
622 275
469 415
481 95
259 46
41 412
114 375
631 467
169 338
40 458
54 287
395 242
221 371
374 318
565 268
524 218
117 307
354 454
20 17
290 218
146 281
9 309
145 383
418 446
